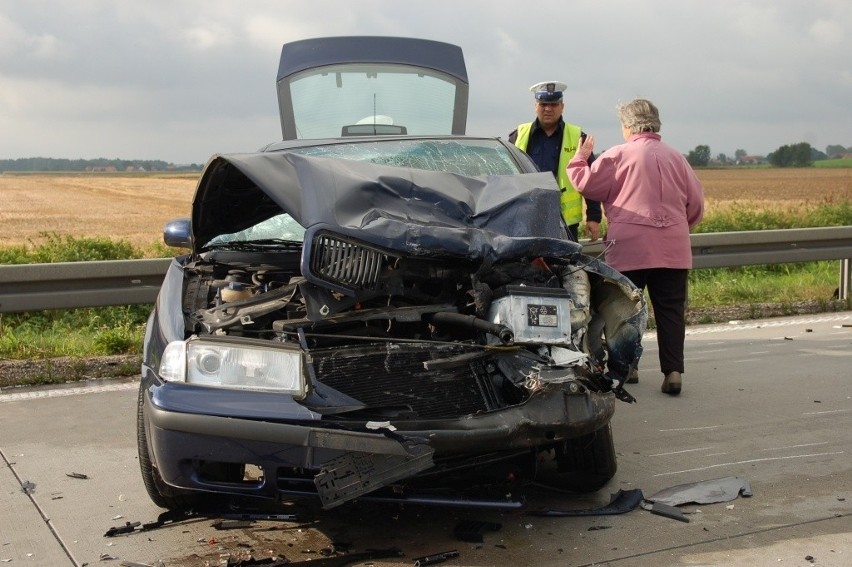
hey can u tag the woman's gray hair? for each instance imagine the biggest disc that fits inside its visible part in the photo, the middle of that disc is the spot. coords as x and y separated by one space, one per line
639 115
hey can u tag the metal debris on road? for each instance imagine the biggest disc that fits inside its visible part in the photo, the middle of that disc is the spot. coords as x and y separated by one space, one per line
435 558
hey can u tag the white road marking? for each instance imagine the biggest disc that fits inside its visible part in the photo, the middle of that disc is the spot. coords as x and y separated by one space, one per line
795 446
679 452
760 324
751 461
691 428
827 412
60 392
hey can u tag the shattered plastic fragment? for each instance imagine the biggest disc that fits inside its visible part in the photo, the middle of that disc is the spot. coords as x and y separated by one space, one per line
620 502
380 425
703 492
435 558
672 512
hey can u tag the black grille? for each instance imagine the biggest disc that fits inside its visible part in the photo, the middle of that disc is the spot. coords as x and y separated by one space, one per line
394 376
344 262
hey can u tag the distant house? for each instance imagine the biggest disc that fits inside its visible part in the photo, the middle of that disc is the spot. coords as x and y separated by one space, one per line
751 160
103 168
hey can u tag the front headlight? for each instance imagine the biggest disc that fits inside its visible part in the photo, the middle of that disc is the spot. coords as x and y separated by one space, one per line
234 365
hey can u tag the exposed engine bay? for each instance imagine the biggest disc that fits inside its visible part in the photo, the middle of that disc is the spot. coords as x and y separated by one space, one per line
454 312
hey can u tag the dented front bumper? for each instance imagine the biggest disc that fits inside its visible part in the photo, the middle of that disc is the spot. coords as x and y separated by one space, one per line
279 437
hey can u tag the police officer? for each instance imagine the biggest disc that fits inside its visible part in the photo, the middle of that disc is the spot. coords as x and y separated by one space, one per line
551 143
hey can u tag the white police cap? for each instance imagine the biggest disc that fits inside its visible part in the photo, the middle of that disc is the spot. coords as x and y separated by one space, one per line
548 91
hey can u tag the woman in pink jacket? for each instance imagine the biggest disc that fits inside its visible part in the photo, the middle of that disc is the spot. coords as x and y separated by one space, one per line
651 198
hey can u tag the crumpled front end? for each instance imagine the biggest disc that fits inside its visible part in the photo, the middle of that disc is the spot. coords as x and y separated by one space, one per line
451 419
438 330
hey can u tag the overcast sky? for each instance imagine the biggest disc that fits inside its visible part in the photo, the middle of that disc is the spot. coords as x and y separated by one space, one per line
180 80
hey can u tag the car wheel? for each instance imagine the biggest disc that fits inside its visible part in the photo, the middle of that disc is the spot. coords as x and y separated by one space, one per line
158 491
584 464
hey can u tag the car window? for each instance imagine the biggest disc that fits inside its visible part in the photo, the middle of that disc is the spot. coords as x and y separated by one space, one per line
352 99
279 228
470 157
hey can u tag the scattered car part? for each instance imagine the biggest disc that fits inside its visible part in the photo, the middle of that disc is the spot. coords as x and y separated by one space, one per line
355 474
435 558
621 502
703 492
344 559
668 511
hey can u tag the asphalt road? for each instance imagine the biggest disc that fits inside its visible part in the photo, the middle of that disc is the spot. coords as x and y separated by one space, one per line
768 402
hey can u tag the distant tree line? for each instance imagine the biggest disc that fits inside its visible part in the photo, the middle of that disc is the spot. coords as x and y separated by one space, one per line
99 164
795 155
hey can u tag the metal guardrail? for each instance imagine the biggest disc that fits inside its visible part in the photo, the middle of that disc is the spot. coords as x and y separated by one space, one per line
66 285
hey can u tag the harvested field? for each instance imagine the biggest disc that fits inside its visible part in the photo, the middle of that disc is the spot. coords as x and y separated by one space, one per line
135 207
775 189
129 207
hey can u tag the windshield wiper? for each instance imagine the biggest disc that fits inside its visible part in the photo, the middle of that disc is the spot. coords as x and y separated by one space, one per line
254 245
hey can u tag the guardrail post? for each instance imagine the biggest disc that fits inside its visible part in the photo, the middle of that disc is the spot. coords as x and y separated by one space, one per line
845 281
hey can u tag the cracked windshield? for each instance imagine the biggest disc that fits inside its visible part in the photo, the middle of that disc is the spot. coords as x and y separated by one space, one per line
468 157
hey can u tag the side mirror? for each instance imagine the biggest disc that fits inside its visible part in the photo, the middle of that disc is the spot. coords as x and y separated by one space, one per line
178 233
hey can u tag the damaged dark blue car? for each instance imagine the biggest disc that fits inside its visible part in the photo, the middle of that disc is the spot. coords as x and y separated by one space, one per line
379 304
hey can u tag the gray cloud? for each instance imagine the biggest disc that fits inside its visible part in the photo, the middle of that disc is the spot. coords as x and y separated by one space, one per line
180 81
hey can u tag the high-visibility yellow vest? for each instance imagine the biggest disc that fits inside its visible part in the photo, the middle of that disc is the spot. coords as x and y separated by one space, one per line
570 202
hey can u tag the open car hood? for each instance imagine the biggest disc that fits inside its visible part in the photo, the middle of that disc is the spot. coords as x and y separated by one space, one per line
410 211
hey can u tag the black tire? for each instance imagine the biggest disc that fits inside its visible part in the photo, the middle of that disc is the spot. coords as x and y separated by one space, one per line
584 464
159 493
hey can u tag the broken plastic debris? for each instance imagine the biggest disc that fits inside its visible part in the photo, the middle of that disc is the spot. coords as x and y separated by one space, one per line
672 512
620 502
435 558
703 492
77 475
28 487
380 425
232 524
348 558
